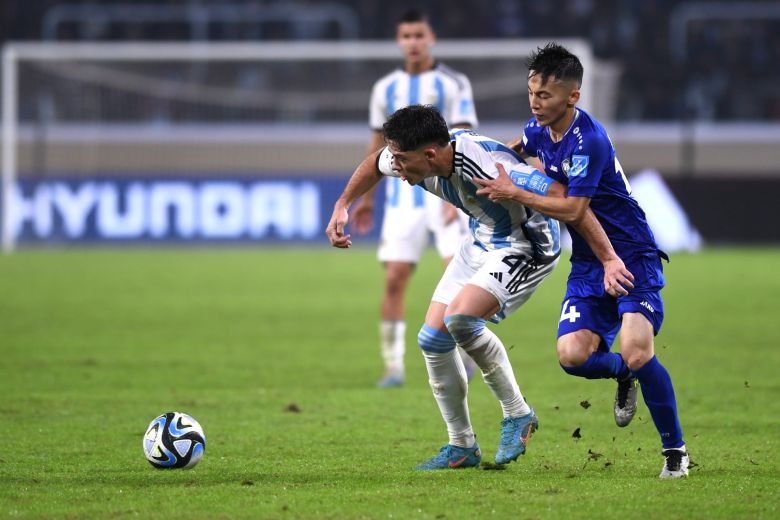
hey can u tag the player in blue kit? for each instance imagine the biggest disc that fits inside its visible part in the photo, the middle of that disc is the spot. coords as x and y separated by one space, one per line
574 149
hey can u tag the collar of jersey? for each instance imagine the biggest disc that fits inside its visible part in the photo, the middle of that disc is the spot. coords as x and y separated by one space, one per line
576 117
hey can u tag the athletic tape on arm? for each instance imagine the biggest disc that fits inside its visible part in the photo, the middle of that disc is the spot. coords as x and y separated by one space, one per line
534 181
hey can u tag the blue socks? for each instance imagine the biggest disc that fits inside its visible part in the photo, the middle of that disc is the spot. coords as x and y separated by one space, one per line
657 390
600 365
658 393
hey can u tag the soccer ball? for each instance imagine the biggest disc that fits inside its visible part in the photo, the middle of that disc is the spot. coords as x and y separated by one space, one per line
174 440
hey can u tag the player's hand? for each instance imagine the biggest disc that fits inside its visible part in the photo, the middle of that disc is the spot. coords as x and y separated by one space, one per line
449 213
617 279
500 188
335 229
363 216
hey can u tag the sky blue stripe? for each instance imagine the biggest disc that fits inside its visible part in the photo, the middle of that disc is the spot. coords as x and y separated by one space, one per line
434 333
439 86
452 195
390 98
434 340
414 90
495 146
395 191
499 214
555 231
419 194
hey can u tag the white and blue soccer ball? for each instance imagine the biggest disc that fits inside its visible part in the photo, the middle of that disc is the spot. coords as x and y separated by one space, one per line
174 441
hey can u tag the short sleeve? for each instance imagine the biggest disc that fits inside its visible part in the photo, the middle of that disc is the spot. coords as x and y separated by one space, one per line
462 109
377 107
587 165
530 139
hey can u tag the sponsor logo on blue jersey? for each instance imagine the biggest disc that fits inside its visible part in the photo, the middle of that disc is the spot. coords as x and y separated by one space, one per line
579 165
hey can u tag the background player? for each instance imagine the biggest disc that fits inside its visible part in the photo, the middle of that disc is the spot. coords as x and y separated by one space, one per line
511 251
576 151
411 214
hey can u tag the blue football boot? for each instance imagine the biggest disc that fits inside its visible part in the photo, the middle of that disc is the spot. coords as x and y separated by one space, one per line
515 434
453 457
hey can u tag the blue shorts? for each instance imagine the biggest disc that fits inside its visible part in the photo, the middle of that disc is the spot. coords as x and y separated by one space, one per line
587 306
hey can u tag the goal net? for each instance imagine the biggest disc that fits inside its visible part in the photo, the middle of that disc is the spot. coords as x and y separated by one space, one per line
212 141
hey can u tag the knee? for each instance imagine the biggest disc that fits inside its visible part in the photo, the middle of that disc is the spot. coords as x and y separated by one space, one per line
575 348
572 355
636 359
433 340
463 328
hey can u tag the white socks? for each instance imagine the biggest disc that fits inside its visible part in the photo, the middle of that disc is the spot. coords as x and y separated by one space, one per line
447 377
490 355
391 336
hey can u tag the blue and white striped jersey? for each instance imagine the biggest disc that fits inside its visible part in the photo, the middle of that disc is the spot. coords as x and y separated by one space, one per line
494 225
444 88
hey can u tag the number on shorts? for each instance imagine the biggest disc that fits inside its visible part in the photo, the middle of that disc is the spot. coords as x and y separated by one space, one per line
520 268
569 313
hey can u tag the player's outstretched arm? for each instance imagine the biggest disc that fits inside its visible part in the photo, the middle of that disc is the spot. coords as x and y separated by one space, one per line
363 209
365 177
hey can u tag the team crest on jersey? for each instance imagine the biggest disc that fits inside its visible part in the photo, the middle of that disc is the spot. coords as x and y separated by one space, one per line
579 165
566 166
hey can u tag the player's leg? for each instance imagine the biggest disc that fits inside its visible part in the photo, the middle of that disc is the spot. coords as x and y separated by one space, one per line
447 376
586 330
449 226
504 282
466 318
402 240
392 327
636 341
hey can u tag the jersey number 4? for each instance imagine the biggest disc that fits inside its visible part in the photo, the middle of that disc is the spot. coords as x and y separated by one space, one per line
569 313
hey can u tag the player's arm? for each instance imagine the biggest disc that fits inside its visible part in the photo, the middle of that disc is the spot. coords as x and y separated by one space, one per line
364 179
363 211
617 279
535 190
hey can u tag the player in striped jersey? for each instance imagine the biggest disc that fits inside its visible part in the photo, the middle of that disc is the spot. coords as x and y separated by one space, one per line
511 251
410 214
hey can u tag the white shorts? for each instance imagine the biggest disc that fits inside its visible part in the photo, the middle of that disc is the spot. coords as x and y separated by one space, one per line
508 274
406 231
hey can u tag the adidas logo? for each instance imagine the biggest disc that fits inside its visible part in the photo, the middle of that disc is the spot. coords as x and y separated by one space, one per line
497 276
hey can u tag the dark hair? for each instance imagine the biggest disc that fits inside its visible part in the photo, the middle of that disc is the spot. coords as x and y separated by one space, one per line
556 61
415 126
413 16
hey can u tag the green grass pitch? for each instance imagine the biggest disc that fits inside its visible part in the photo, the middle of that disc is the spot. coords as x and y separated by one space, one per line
94 344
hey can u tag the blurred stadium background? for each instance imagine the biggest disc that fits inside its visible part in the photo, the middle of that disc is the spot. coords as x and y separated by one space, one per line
179 121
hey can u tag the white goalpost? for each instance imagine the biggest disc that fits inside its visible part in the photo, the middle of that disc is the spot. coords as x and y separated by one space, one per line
68 107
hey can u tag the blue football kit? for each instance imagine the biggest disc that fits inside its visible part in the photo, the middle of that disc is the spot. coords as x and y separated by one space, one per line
584 160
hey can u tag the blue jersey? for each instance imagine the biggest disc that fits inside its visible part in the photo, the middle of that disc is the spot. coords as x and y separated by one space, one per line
585 161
